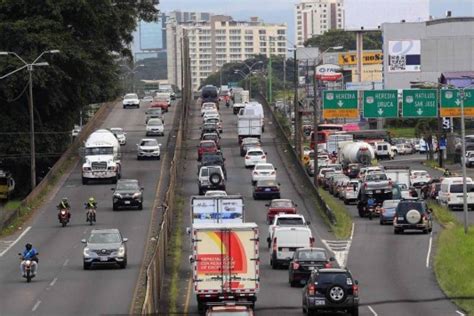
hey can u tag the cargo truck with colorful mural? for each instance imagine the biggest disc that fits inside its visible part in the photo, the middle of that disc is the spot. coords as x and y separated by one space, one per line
225 263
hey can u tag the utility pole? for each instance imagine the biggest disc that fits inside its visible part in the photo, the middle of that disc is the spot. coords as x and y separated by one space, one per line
463 161
270 92
297 134
32 127
316 125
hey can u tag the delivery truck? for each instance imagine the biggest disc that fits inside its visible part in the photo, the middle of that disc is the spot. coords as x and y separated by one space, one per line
225 263
249 125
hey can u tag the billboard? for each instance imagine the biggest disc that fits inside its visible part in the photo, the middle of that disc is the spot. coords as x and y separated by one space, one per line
404 56
371 14
368 58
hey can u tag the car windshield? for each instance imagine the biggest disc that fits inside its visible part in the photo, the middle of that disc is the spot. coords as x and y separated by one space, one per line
333 277
104 238
99 151
208 144
131 96
281 204
295 221
255 153
420 174
150 142
376 177
264 167
390 203
312 255
128 186
155 123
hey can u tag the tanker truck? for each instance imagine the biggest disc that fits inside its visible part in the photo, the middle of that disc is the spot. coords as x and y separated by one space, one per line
356 152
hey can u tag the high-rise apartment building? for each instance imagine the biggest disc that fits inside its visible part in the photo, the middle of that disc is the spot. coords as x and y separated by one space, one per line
315 17
219 41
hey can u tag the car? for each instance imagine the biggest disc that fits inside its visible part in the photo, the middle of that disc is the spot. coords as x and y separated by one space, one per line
249 142
210 178
163 105
207 107
304 261
210 115
366 170
331 289
104 247
230 308
212 136
282 219
322 174
215 193
127 194
404 149
352 170
213 159
209 128
155 127
206 146
254 156
119 134
412 215
280 206
263 171
285 240
131 100
351 191
419 178
148 148
147 98
336 183
216 121
400 191
154 113
469 159
266 189
388 211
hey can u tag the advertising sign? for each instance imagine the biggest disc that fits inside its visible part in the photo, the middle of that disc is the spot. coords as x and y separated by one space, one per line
404 56
328 72
222 209
347 59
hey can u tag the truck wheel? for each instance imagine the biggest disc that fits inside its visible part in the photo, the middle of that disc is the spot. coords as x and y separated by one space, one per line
115 179
85 181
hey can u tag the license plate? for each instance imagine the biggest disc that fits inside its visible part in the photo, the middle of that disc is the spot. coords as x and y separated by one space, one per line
103 259
268 190
311 268
400 218
378 191
127 202
320 302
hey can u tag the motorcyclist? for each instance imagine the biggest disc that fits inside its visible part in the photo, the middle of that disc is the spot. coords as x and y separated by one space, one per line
371 202
29 253
91 205
447 173
64 205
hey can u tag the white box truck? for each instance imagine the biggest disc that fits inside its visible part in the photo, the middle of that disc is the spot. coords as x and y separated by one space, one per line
249 125
225 263
101 157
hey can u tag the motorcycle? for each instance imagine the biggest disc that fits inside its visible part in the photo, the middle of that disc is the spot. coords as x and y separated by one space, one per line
64 216
374 210
91 215
227 103
27 266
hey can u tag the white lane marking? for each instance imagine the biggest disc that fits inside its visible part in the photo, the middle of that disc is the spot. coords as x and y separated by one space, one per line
372 310
16 240
462 314
36 306
65 262
53 282
352 231
429 251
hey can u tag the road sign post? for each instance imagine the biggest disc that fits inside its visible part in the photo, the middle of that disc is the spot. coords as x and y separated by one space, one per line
340 104
380 104
420 103
451 102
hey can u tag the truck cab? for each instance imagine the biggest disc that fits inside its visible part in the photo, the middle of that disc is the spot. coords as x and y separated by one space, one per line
7 185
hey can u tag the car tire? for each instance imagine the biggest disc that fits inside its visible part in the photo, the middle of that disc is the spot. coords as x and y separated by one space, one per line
355 311
140 207
274 264
114 207
159 158
86 266
115 179
85 181
396 231
123 264
139 158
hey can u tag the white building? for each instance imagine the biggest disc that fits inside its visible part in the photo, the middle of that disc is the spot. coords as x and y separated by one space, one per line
219 41
315 17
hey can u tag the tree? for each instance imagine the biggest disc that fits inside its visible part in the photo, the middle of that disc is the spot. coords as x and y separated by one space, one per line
90 35
372 40
424 129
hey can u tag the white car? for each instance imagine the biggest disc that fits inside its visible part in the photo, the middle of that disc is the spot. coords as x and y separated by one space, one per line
263 171
350 192
286 220
148 148
155 127
119 134
208 107
147 99
210 115
131 100
255 156
215 193
419 177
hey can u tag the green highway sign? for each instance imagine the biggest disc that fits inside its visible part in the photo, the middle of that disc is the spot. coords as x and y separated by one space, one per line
340 104
451 103
420 103
380 103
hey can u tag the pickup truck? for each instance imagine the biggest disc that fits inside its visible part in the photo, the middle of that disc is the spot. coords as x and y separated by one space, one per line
376 182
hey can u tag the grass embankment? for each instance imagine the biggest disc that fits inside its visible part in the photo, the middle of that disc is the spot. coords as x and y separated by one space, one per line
342 228
454 258
175 251
402 132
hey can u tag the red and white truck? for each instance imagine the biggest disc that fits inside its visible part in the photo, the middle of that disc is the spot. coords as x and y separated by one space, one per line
225 263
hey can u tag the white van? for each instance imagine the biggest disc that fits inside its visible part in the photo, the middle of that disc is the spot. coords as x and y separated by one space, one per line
384 150
285 241
255 108
451 193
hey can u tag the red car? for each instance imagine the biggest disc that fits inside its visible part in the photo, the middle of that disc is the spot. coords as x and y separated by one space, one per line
278 206
206 146
160 104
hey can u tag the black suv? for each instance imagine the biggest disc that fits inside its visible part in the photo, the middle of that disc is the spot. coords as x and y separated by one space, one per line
127 193
305 261
412 215
331 290
213 159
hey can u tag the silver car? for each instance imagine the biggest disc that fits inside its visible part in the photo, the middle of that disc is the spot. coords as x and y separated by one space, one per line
105 247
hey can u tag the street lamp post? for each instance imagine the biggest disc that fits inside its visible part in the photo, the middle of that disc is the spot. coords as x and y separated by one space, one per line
29 68
463 160
133 71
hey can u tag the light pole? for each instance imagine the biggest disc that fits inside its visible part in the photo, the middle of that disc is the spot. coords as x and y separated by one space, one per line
29 68
245 76
316 108
250 72
133 71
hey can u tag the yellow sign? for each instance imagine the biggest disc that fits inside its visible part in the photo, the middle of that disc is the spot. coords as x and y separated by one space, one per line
368 58
456 112
340 113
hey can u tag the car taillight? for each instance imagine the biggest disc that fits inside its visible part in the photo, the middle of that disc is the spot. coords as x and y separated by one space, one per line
274 244
328 265
273 173
247 157
311 289
296 265
255 173
263 157
355 289
311 241
365 185
390 183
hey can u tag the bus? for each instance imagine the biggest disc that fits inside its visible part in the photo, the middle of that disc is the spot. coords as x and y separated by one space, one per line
372 135
324 130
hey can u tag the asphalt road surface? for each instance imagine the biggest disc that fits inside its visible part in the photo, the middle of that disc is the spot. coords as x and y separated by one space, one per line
62 287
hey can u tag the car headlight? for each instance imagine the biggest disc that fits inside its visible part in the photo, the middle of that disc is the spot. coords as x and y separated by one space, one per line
121 251
117 196
137 195
86 252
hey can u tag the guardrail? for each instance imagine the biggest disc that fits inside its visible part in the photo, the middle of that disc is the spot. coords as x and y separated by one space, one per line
299 165
67 159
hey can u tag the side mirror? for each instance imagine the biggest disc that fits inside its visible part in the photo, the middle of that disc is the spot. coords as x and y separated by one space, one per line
141 189
308 223
356 282
332 259
191 260
112 189
296 205
279 183
268 204
125 239
19 253
430 210
188 230
83 241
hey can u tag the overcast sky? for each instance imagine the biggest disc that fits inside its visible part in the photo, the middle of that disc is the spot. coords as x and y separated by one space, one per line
282 11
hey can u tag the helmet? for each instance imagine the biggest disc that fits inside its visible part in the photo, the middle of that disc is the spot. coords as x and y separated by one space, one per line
64 199
91 200
28 246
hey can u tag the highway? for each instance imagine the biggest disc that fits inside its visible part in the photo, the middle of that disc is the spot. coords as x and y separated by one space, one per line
62 287
394 274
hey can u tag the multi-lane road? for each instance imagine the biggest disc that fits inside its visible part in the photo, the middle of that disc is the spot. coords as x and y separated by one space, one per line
394 271
62 287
